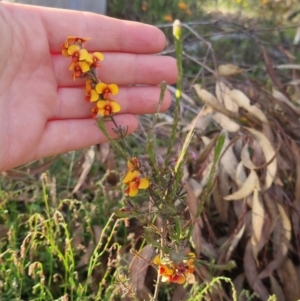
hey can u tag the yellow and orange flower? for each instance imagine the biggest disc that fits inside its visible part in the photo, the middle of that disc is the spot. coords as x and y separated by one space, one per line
108 107
97 58
134 182
182 5
79 54
79 68
107 90
91 94
177 272
133 164
71 40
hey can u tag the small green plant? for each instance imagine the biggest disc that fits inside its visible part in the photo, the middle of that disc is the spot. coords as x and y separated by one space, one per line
161 178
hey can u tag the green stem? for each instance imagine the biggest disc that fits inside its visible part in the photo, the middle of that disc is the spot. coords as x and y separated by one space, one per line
178 48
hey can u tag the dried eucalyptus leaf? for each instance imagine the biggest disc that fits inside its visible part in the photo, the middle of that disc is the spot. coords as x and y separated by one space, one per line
269 154
247 188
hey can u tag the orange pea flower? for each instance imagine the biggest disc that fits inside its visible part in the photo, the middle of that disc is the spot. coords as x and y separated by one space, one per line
96 58
108 107
134 182
133 164
79 68
71 40
177 272
107 90
91 94
79 54
182 5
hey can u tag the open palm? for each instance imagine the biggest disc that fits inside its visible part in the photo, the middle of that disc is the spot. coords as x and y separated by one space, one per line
42 110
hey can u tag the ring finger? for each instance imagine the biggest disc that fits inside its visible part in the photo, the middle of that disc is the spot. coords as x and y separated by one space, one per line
133 100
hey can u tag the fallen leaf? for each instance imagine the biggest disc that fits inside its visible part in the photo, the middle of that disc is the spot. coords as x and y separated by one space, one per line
240 174
229 70
225 122
228 161
223 96
247 188
286 223
211 100
245 157
258 221
269 154
244 102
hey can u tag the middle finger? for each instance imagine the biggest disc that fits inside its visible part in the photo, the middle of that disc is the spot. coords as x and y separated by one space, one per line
122 69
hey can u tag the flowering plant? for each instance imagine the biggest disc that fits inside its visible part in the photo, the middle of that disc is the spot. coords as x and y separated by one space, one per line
160 177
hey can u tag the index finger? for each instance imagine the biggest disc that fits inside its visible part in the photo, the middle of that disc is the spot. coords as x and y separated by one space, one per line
107 34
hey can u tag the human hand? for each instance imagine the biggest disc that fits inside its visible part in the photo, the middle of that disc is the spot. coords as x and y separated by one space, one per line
42 110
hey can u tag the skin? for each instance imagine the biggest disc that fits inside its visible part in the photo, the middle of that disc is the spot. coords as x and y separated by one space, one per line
42 110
